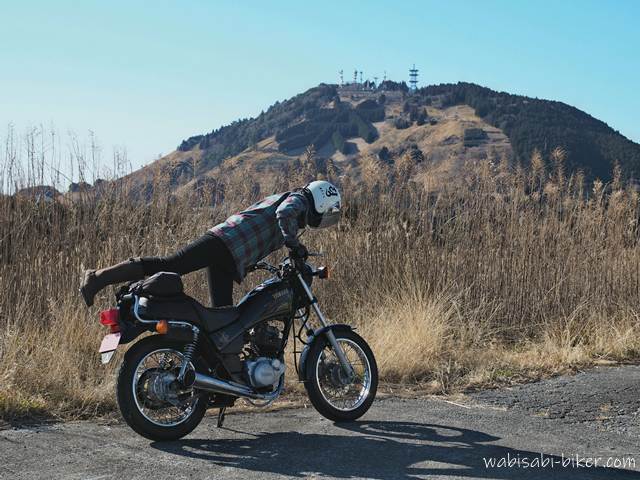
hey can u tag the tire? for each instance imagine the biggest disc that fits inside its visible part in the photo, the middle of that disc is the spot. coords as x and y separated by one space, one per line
312 383
126 396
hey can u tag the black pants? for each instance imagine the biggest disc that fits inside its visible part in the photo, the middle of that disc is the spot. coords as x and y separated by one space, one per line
207 251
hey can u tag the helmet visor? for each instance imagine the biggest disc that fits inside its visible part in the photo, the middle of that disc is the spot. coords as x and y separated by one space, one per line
330 217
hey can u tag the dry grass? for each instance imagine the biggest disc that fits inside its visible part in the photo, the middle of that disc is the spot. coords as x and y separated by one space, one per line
500 276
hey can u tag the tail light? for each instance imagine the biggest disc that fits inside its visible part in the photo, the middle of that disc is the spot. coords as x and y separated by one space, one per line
109 318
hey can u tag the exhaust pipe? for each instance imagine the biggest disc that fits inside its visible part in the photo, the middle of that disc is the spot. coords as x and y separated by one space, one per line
215 385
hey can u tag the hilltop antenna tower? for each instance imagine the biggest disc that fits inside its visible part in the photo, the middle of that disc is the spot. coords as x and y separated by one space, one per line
360 76
413 78
355 76
341 72
384 79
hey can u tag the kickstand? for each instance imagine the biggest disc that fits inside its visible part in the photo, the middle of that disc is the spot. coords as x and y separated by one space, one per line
221 416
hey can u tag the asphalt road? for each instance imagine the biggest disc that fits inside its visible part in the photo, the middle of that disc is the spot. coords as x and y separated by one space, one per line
592 415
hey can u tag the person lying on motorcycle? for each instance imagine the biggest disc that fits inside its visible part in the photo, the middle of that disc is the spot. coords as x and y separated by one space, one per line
230 248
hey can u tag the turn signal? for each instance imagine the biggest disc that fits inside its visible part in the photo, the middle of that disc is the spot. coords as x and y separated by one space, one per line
323 272
162 327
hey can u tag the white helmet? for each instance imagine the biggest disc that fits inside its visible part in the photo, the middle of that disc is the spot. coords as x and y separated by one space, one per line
326 204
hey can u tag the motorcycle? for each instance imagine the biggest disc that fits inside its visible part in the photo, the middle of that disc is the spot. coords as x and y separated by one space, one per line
200 357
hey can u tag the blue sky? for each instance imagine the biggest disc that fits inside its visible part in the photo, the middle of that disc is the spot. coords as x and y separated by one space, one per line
145 75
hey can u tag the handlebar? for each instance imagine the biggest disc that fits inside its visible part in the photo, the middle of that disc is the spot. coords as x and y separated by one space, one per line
266 266
288 262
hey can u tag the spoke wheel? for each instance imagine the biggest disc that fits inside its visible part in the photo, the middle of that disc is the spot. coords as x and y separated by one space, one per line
334 393
157 394
340 390
150 399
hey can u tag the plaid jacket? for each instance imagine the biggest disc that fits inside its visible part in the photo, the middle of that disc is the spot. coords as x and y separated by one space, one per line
262 228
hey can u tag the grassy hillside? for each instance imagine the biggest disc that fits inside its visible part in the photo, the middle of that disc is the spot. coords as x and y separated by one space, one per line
531 123
333 120
231 139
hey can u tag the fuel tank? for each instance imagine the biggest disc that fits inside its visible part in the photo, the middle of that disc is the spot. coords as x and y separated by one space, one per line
269 300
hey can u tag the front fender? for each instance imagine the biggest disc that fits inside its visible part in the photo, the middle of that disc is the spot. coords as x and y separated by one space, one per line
317 337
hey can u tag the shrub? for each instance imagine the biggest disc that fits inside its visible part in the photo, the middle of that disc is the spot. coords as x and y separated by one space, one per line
384 154
422 117
370 111
338 141
401 123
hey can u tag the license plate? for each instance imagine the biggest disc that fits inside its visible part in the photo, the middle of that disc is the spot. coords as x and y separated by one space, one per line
108 346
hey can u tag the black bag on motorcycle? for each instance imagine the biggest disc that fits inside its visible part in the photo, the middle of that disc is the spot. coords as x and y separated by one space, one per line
161 284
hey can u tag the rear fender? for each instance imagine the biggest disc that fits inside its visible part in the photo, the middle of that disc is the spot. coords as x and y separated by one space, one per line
180 333
318 336
131 331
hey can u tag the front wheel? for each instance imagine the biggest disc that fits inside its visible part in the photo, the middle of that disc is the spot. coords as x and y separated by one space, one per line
332 392
151 400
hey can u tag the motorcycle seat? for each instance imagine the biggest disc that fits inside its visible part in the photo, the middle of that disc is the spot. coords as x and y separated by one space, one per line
188 309
216 318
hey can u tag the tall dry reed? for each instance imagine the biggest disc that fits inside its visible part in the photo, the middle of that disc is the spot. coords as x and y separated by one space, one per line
504 273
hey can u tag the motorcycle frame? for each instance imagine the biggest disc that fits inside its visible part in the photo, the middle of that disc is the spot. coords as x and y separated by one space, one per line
213 355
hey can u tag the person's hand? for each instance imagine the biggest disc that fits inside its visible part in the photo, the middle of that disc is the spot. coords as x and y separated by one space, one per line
298 254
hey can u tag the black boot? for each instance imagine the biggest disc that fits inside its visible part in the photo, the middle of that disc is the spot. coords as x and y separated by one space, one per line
95 280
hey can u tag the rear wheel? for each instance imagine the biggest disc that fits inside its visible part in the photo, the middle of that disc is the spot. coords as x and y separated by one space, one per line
151 401
332 392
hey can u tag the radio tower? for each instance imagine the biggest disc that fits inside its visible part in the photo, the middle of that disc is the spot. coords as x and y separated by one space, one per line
341 77
355 76
413 78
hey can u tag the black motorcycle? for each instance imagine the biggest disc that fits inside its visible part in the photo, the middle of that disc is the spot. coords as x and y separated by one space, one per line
203 357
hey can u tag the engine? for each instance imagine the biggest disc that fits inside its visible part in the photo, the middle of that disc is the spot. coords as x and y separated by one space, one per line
262 366
264 372
264 340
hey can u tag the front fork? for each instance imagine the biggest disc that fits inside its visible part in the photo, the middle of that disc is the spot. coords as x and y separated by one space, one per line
346 366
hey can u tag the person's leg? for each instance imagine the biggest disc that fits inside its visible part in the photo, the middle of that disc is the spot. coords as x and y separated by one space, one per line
198 254
95 280
207 251
220 287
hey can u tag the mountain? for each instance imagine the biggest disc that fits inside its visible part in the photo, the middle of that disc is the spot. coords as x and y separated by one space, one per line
531 123
441 127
